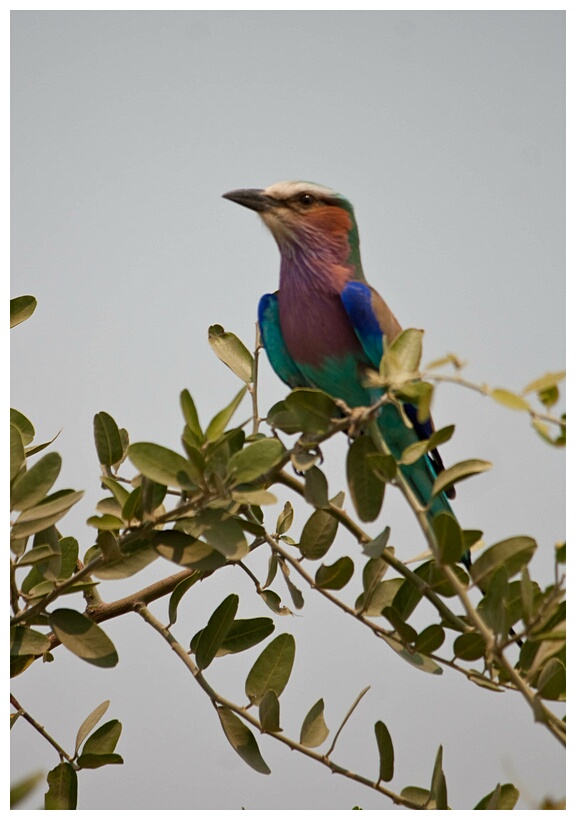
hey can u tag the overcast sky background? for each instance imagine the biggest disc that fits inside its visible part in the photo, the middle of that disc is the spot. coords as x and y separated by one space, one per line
446 131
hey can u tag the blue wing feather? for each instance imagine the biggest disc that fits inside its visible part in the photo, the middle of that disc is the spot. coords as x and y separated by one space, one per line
358 300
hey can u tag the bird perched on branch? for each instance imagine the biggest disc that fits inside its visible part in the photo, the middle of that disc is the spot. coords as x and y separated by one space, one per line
324 327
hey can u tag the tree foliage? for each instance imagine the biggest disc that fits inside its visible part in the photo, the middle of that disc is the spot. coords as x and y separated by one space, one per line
208 506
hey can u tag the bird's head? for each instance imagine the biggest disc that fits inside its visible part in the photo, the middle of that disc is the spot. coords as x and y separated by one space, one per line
309 218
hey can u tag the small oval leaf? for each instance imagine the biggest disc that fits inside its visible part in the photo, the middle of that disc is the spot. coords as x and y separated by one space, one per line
242 740
107 439
458 472
272 668
385 752
314 730
83 637
215 631
232 352
335 576
62 788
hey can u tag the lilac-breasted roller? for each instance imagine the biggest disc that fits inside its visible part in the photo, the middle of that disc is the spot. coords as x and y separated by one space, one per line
324 326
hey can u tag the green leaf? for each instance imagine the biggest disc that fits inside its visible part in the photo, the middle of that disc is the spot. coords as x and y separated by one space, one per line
255 460
17 455
187 551
545 382
119 492
469 647
318 535
37 554
316 488
438 787
83 637
246 633
384 467
413 658
89 723
419 448
272 668
215 631
232 352
377 547
403 629
549 397
274 602
335 576
242 740
269 713
295 593
62 788
314 730
21 308
552 680
223 532
406 600
430 639
403 354
178 593
415 794
366 489
512 553
107 439
92 761
25 641
504 797
162 465
458 472
279 417
448 538
110 523
221 419
254 498
104 740
37 448
483 682
47 512
511 400
385 752
22 424
312 409
285 520
376 598
132 559
190 414
493 606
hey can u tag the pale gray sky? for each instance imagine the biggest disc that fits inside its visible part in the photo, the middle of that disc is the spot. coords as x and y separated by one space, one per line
446 131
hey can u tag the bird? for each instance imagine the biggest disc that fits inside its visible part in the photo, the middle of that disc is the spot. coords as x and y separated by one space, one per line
324 326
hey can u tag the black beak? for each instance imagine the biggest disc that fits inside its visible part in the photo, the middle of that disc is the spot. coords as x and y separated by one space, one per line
253 198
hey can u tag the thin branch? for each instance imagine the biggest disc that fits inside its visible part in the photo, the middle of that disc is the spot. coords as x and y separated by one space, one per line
346 719
253 388
41 730
484 390
219 700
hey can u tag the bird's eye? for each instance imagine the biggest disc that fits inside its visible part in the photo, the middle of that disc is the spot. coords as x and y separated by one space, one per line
306 199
